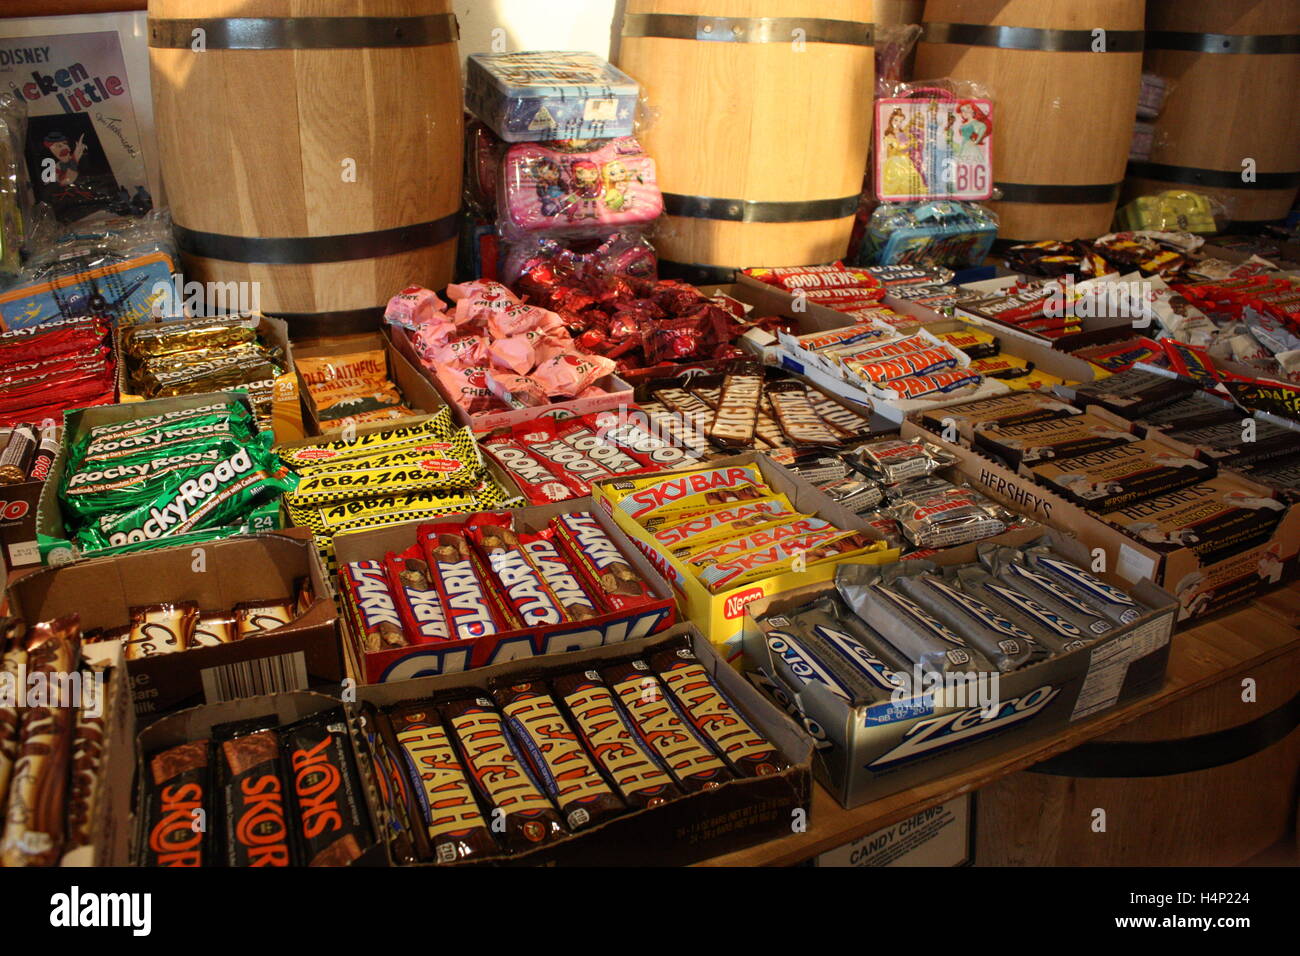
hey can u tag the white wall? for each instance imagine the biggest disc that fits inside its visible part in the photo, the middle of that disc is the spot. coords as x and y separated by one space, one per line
508 26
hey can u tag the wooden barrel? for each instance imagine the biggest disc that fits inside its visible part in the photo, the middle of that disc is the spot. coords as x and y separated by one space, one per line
1064 99
312 147
761 127
1208 780
1233 68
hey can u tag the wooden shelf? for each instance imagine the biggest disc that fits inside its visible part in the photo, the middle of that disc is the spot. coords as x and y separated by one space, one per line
1202 655
53 8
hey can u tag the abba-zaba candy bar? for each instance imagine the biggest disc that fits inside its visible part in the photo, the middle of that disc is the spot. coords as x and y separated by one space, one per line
453 825
688 758
635 773
919 637
556 755
179 806
254 797
374 613
714 716
329 811
1119 476
527 817
606 571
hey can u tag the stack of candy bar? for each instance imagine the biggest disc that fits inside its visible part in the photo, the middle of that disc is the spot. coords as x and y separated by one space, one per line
46 369
408 473
1028 307
486 577
178 476
275 796
27 452
205 355
728 528
171 626
351 388
52 755
1256 320
532 761
989 360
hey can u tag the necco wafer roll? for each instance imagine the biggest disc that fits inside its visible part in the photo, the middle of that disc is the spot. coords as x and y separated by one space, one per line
737 413
1006 564
1113 603
675 743
556 755
633 770
714 716
452 823
1048 626
417 601
920 638
522 813
180 807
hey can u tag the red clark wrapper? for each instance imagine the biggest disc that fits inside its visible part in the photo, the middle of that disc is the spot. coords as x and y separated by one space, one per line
472 607
416 598
605 571
529 600
576 601
539 484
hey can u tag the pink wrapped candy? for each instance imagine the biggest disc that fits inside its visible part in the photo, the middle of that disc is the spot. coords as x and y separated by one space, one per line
512 354
516 391
413 307
567 375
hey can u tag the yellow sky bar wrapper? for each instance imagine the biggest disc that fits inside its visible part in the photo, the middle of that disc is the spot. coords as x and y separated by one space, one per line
725 521
763 537
438 427
785 556
660 496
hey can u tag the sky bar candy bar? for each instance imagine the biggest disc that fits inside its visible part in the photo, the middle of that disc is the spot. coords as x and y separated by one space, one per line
604 569
416 598
469 603
642 498
329 809
610 739
529 600
501 775
737 413
791 555
697 530
714 716
574 599
372 609
178 806
556 755
762 537
661 728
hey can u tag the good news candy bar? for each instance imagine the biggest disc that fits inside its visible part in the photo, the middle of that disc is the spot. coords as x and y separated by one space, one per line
920 638
643 498
329 813
369 597
798 419
254 796
656 721
791 555
1006 564
604 569
1117 477
713 716
1048 626
178 805
556 755
633 770
538 482
824 643
737 412
1113 603
470 605
529 600
523 815
418 604
444 800
573 599
1005 643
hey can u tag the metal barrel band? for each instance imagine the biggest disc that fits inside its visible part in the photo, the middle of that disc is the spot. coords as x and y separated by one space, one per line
1234 43
1032 38
1165 758
684 26
311 325
313 250
745 210
302 33
1218 178
697 273
1058 194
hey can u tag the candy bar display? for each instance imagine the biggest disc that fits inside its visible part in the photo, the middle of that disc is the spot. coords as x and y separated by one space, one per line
49 368
188 474
282 795
351 388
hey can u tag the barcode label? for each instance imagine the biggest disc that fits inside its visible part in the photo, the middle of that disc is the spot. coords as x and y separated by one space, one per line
261 675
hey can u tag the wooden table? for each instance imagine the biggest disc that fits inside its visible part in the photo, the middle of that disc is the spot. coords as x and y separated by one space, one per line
1220 648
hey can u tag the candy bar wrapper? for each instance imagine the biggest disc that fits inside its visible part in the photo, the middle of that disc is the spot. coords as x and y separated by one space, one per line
254 618
806 278
85 788
676 744
922 640
556 755
368 598
1050 440
702 528
213 629
845 422
801 527
677 428
17 454
180 807
472 607
635 772
632 432
737 412
150 340
1117 477
168 438
407 841
521 812
798 418
226 410
1007 565
538 482
1134 393
896 459
458 466
574 599
543 441
1005 410
794 554
13 669
713 716
605 571
329 812
662 496
948 517
430 430
951 382
253 784
1003 642
453 825
826 644
34 823
858 495
304 596
161 629
1054 630
418 604
578 435
1113 604
528 599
